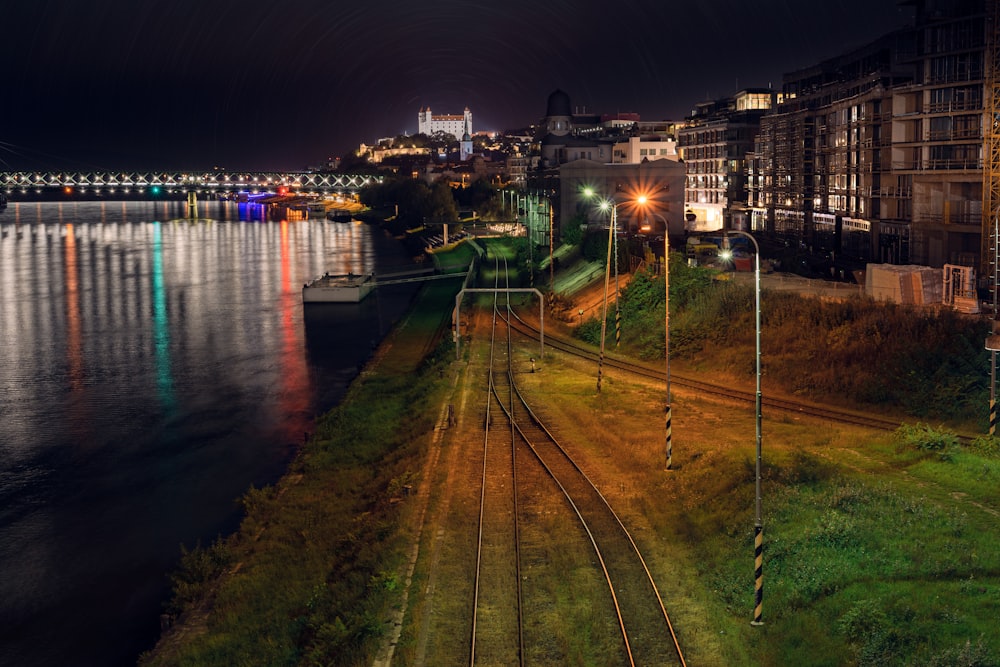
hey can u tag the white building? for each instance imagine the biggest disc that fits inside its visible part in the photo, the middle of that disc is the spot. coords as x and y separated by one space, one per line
637 149
454 124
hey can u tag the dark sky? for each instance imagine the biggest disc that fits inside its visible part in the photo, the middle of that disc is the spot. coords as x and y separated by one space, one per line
283 84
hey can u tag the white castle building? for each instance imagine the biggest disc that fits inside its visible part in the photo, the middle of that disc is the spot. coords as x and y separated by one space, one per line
454 124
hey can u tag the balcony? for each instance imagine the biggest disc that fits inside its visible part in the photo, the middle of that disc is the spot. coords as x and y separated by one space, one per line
953 134
938 164
955 105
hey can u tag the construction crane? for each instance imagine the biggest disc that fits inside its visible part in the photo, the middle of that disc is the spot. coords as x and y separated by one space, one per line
991 185
991 146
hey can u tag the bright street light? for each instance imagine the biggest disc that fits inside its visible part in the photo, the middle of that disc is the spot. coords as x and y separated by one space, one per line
758 523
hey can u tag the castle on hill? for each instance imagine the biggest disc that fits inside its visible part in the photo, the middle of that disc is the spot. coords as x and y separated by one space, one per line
454 124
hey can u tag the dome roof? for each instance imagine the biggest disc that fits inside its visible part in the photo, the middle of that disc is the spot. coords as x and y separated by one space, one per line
558 104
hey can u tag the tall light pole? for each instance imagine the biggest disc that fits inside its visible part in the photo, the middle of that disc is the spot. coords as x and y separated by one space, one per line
607 279
758 523
666 329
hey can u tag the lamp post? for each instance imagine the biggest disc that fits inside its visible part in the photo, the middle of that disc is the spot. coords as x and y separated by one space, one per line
758 523
668 416
607 279
666 329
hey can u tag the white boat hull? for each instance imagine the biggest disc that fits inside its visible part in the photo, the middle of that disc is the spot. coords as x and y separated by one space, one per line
348 288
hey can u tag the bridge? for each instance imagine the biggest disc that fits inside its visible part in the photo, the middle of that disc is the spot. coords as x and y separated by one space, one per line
28 184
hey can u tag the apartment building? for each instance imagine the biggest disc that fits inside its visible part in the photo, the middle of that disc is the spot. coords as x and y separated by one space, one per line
877 154
937 135
714 143
815 175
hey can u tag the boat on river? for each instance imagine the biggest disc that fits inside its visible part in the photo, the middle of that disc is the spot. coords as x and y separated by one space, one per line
339 215
340 288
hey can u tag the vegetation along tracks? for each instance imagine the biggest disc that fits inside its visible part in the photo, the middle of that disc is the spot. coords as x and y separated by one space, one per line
681 380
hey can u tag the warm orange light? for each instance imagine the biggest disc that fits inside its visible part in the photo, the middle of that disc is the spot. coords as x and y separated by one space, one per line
641 199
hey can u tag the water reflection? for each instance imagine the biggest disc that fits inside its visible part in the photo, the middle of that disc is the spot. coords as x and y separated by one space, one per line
161 330
153 368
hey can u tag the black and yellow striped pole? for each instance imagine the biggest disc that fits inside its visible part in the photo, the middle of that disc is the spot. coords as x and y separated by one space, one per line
670 447
758 524
666 337
758 575
993 403
993 344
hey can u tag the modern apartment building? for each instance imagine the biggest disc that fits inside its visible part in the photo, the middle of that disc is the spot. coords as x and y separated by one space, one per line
937 135
714 143
877 154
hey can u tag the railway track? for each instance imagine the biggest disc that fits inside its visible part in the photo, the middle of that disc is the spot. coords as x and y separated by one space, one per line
531 486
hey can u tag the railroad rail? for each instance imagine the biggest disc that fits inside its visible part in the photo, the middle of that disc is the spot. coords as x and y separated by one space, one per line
532 474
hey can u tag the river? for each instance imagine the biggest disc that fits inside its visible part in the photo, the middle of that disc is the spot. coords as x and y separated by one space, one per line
152 368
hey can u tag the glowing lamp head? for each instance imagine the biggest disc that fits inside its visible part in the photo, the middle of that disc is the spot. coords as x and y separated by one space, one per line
641 200
588 192
725 253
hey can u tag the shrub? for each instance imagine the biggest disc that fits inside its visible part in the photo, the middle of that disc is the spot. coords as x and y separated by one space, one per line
924 438
198 568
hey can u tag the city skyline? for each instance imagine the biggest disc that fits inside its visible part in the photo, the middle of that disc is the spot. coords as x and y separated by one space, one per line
115 85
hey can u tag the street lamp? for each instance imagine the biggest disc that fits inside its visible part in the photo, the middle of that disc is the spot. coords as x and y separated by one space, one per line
607 279
608 204
758 523
666 328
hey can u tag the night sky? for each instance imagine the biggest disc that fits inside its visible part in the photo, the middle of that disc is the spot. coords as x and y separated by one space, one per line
285 84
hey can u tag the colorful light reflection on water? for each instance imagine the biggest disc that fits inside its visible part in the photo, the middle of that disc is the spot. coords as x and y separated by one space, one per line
152 368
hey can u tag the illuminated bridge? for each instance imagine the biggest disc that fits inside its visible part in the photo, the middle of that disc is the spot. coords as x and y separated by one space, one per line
32 184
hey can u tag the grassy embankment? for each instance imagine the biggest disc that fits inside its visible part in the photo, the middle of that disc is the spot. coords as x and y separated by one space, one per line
315 565
878 549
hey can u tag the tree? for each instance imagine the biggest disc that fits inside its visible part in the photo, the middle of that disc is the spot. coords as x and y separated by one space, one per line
476 195
352 163
441 140
572 232
441 204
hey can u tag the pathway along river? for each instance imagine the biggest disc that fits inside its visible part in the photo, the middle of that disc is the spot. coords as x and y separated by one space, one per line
152 368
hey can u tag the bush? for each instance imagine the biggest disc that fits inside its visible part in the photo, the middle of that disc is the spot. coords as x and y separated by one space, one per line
924 438
855 352
198 568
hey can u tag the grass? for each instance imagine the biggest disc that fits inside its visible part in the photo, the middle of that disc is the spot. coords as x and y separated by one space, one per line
313 570
879 548
876 550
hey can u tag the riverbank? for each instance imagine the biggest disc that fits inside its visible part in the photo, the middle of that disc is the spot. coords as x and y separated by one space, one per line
360 554
347 513
312 544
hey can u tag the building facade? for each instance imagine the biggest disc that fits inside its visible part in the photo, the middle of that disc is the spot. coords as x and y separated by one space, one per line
714 143
878 154
454 124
